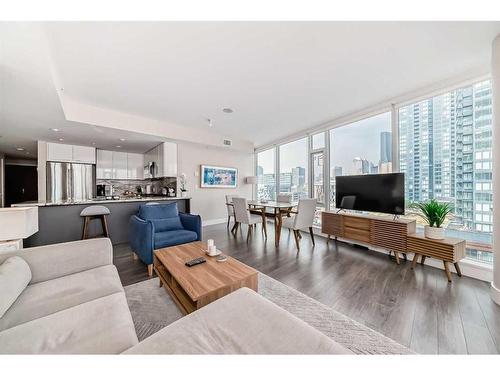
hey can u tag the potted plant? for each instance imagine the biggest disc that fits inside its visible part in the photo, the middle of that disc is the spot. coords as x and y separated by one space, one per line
434 213
183 183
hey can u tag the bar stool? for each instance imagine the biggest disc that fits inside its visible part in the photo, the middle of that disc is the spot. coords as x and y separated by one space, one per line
95 212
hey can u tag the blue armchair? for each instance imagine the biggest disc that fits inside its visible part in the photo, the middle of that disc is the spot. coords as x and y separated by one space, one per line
161 225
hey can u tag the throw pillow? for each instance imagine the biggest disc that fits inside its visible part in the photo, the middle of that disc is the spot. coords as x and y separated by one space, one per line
163 225
15 275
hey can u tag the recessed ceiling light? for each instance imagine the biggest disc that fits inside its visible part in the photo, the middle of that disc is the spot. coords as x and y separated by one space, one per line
227 110
54 129
118 146
27 152
93 143
19 149
61 139
122 139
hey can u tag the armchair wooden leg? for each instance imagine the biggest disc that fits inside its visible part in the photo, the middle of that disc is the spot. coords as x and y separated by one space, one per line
228 221
312 235
297 239
150 270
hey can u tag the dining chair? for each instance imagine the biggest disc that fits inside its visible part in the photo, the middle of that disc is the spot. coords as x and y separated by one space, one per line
302 219
230 207
242 215
284 198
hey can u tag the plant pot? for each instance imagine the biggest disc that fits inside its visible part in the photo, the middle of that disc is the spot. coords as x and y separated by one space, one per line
184 194
434 232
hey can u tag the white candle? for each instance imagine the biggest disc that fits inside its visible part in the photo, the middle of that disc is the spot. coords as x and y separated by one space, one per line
210 243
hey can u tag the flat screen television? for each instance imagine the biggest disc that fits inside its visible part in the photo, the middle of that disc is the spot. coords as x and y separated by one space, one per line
372 192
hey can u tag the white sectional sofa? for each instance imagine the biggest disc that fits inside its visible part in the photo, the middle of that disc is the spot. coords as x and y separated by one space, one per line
75 303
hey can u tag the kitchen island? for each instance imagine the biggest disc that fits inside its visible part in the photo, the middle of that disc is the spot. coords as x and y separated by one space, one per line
61 221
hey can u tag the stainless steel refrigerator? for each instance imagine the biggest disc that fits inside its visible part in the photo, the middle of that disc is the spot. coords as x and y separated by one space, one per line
70 182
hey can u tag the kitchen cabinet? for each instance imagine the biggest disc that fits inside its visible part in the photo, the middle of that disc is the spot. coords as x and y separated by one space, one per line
112 165
104 168
59 152
84 154
135 166
70 153
120 166
167 160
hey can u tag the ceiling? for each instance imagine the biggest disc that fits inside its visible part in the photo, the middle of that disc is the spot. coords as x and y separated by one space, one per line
278 77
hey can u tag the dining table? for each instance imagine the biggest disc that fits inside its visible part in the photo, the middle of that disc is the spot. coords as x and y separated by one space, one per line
273 209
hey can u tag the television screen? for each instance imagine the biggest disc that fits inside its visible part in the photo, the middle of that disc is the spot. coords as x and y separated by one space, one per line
372 192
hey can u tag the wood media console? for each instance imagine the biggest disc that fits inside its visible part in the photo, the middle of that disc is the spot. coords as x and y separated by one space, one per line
371 230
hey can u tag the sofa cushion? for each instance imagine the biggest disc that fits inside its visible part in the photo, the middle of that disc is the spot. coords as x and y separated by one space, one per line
242 322
101 326
15 275
45 298
158 211
174 237
171 223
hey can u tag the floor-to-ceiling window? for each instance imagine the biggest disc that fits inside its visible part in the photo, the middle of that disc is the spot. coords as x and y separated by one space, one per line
293 173
318 169
362 147
266 175
445 150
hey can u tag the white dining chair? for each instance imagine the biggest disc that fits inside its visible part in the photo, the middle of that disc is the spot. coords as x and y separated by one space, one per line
284 198
242 215
302 220
230 207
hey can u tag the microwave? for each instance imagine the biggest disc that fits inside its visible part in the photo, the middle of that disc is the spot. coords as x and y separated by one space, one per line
150 170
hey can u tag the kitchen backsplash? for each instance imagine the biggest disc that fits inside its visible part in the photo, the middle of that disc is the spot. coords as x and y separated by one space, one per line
139 186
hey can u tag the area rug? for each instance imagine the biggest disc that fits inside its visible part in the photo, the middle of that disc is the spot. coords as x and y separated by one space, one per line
152 309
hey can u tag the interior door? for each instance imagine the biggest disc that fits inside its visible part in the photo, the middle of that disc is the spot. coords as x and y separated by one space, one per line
21 184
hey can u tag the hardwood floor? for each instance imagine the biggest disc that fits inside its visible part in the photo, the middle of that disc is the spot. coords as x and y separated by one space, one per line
417 308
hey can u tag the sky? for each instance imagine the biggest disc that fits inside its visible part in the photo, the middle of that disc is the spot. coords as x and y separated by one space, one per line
361 138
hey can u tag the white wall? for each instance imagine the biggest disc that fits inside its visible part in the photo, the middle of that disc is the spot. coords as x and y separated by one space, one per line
211 203
42 172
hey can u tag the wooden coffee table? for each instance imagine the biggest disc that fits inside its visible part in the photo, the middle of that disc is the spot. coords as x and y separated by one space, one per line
194 287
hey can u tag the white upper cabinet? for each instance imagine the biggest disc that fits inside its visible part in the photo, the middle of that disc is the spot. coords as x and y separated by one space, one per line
120 165
59 152
112 165
125 166
83 154
104 168
135 166
167 160
69 153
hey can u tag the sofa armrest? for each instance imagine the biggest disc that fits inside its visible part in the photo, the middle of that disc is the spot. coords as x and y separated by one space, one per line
141 238
191 222
53 261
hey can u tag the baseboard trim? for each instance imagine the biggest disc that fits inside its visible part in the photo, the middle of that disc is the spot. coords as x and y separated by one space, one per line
206 223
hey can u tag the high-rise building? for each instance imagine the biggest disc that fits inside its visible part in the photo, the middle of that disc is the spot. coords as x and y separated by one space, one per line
445 153
385 147
360 166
